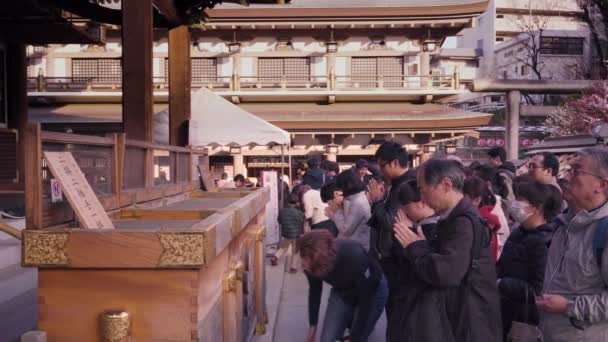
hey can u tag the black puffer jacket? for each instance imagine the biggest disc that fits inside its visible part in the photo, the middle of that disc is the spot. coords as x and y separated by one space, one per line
383 219
521 268
384 246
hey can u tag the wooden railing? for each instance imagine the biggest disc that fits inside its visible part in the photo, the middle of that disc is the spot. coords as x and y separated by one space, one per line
256 83
121 172
395 82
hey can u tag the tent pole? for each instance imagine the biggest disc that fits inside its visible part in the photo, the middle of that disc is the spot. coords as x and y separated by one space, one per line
280 181
289 158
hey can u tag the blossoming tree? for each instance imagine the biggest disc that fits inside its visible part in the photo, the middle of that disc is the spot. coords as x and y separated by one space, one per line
579 115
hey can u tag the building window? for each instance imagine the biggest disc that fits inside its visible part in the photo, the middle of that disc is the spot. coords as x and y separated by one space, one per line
525 70
98 70
203 70
366 71
290 69
561 46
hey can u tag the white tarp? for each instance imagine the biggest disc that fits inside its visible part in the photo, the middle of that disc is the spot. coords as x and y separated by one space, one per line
216 121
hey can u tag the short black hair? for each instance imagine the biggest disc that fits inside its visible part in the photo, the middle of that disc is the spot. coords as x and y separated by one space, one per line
540 195
327 191
293 199
239 178
550 161
349 182
332 166
323 165
313 162
486 172
390 151
361 163
498 152
408 192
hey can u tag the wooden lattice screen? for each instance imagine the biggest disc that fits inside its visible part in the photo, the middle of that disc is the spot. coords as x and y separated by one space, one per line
99 70
365 71
202 69
275 69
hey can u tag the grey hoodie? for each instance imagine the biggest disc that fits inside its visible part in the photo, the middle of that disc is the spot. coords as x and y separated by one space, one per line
572 271
352 219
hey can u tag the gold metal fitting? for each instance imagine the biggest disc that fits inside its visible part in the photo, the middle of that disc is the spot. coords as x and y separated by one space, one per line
230 282
238 268
114 325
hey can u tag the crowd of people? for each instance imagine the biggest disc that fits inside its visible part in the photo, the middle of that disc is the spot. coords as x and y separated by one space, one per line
452 252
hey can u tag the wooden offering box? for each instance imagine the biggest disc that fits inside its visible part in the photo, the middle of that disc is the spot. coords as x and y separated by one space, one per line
189 271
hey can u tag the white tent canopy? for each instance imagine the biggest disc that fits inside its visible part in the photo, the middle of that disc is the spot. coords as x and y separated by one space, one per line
218 121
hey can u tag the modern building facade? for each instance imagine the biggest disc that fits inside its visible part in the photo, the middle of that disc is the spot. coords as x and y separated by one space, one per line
505 20
340 76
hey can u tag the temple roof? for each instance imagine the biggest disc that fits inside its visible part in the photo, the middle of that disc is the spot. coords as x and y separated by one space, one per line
357 3
300 116
353 9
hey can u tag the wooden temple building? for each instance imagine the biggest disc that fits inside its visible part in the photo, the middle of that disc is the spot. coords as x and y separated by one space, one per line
124 254
340 76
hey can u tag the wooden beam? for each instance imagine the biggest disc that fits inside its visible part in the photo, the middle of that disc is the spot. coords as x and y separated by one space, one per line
168 10
33 176
179 85
119 164
161 214
137 41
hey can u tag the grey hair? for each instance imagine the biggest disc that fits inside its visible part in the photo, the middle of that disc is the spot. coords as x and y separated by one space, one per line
435 170
599 157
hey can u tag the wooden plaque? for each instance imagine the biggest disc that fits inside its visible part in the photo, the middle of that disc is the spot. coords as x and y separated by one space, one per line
77 190
206 178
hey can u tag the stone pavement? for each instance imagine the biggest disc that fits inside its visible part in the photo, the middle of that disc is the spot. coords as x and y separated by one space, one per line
292 320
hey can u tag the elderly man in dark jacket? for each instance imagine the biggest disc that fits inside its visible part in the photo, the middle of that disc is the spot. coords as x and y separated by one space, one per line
461 301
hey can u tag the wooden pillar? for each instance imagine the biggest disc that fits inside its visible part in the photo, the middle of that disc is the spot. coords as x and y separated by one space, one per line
512 122
332 157
33 176
259 293
236 70
16 78
331 70
239 164
179 85
425 68
137 42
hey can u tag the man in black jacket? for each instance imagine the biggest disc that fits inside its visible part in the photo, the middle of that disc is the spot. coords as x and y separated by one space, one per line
461 302
393 162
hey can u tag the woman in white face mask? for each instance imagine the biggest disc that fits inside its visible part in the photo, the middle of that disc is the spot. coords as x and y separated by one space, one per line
521 266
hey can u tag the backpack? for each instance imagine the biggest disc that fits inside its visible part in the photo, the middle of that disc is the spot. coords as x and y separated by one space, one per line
599 240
